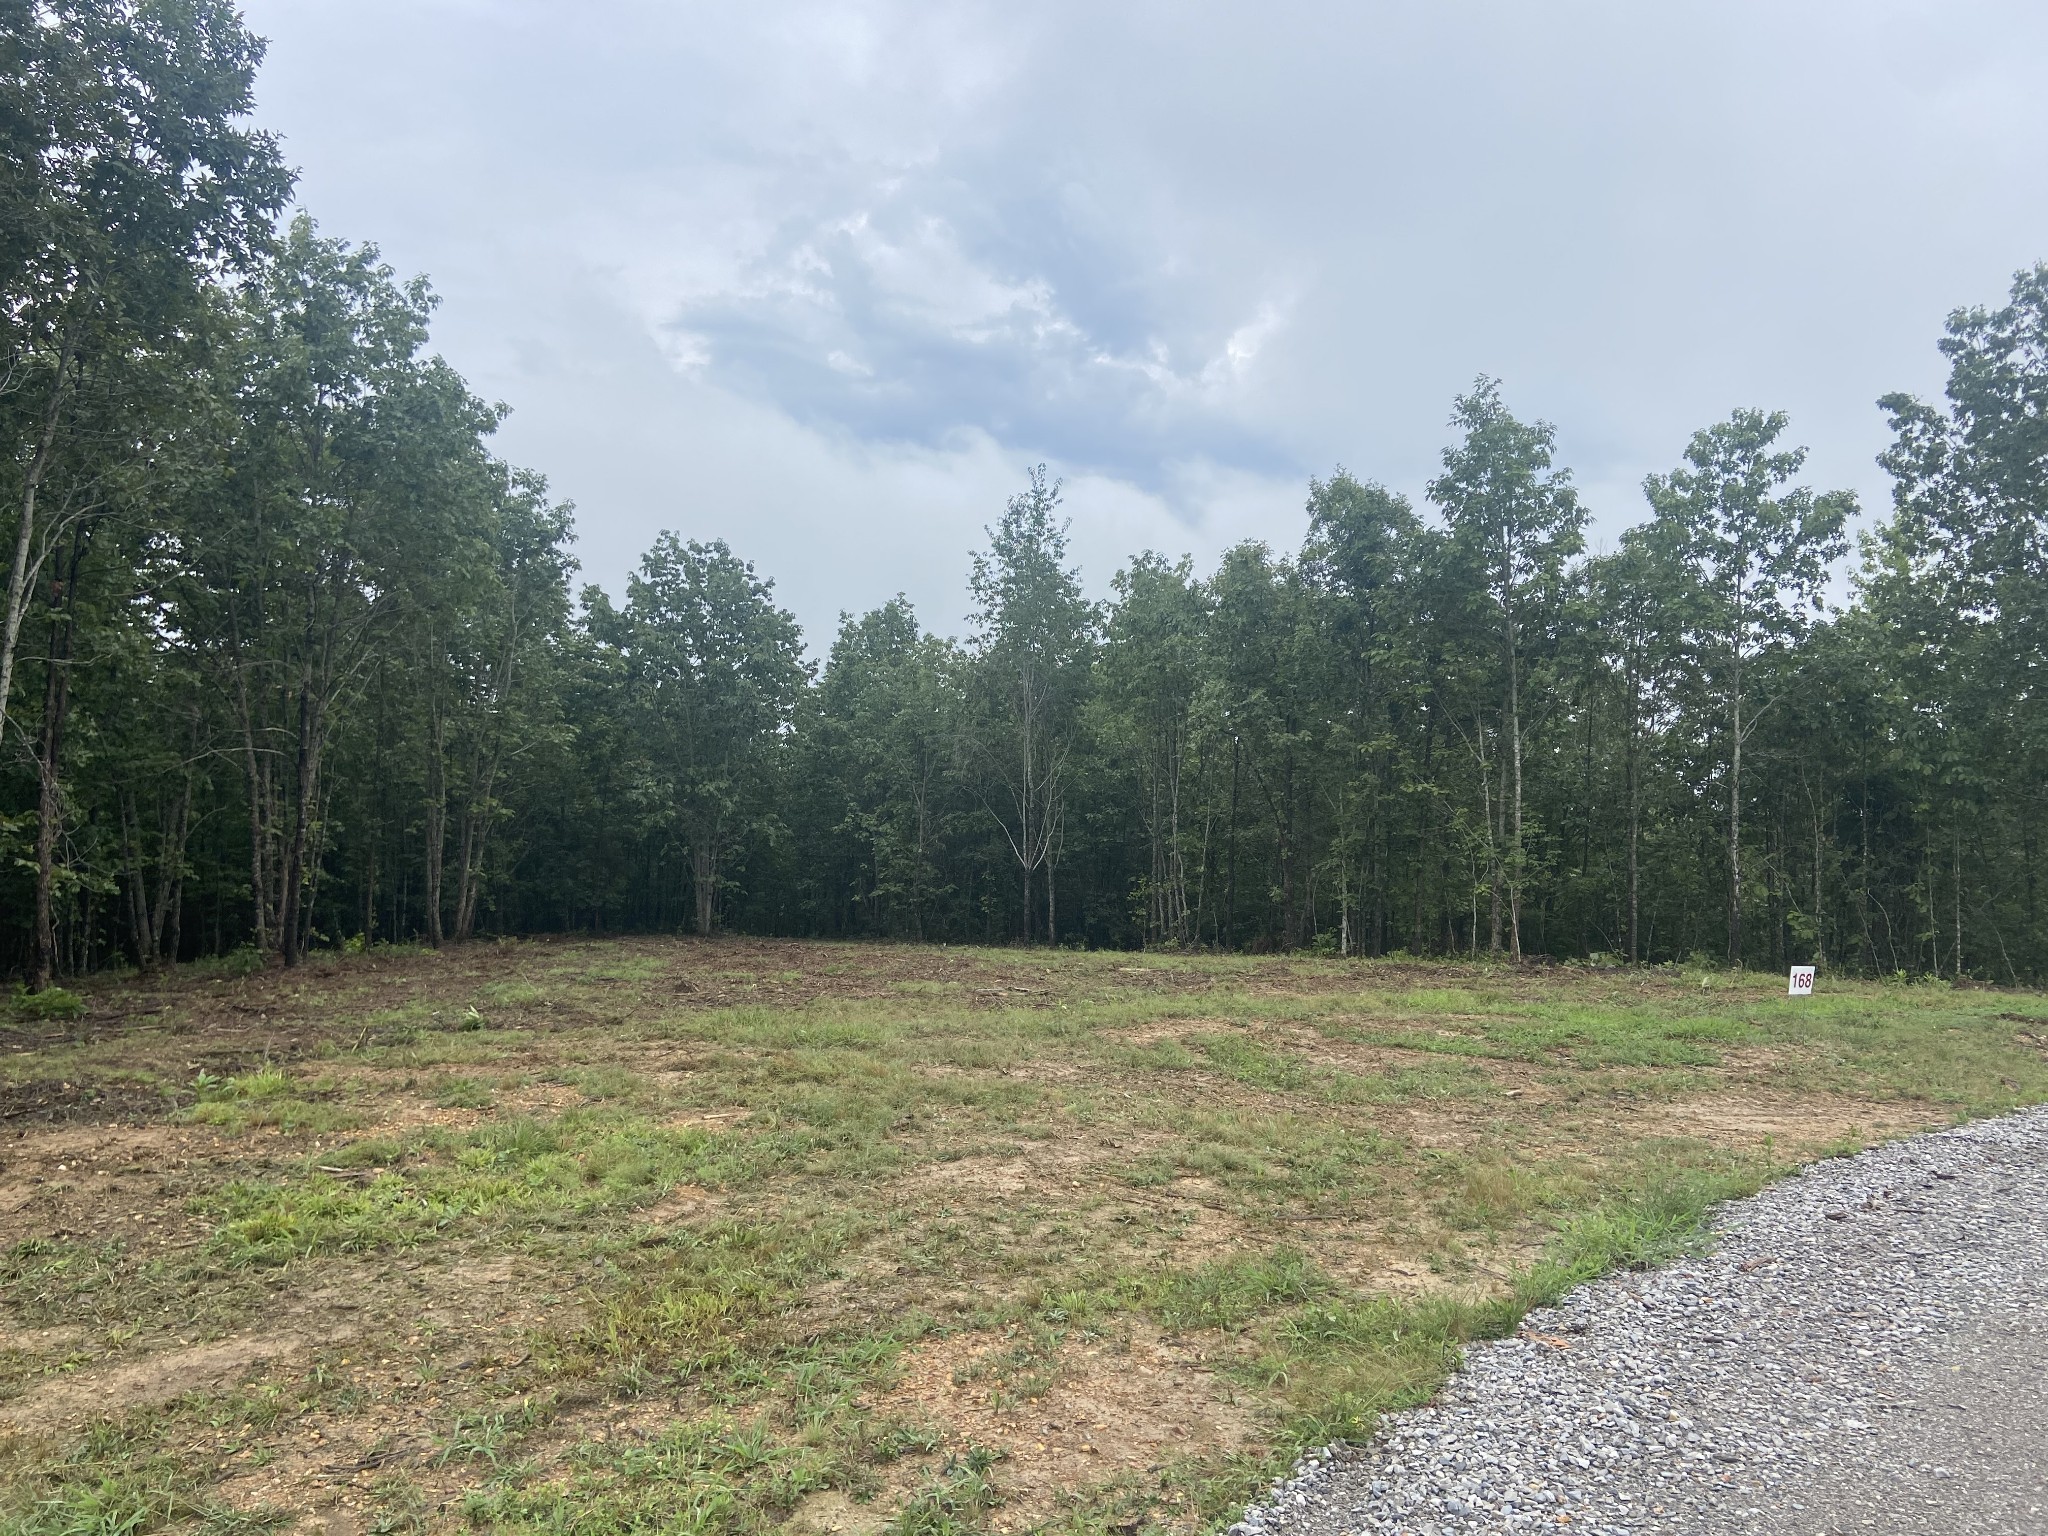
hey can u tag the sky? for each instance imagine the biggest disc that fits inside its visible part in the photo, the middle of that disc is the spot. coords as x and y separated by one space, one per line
823 280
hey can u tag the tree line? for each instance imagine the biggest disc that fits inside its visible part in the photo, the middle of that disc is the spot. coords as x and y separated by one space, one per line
291 659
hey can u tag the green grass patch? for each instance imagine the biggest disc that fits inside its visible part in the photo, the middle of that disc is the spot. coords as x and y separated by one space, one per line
653 1318
581 1165
268 1097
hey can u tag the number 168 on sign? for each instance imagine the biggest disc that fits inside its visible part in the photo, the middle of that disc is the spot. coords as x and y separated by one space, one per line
1802 982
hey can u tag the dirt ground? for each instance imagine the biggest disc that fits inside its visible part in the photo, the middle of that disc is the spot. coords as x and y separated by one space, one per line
847 1238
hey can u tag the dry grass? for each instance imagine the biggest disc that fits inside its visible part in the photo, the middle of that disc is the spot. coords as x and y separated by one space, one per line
660 1235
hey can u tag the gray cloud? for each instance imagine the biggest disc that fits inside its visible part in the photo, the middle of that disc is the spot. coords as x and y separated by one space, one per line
822 279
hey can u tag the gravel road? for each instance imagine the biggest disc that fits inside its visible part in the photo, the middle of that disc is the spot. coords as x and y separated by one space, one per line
1865 1350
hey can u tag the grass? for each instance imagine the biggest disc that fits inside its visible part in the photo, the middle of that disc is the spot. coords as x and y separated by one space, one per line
660 1235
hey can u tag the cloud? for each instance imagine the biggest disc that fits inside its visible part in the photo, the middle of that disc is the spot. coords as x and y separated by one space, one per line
893 324
823 278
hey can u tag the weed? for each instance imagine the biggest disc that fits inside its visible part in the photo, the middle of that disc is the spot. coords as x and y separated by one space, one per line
52 1003
463 1093
486 1437
954 1502
1231 1292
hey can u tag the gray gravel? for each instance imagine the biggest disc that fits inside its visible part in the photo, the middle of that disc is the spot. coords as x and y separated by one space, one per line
1865 1349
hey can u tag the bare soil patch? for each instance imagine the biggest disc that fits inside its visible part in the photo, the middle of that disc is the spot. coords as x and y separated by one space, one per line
1800 1127
691 1198
1096 1409
155 1378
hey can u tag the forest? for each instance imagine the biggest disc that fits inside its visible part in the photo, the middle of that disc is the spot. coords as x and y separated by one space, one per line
292 660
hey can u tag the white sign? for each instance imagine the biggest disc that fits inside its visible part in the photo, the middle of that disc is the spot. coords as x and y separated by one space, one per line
1802 982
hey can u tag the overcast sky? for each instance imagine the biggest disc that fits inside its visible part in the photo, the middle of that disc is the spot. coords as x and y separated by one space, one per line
823 279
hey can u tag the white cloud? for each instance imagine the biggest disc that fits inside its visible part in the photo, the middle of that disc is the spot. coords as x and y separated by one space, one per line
824 277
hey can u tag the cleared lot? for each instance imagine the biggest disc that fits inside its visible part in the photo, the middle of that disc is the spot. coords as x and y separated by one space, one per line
666 1235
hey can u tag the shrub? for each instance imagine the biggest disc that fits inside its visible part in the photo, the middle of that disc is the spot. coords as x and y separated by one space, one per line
50 1003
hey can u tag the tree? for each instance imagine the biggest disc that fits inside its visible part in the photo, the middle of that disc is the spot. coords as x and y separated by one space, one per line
495 654
128 183
1516 521
1270 662
1033 644
1630 596
1364 550
713 672
356 470
1959 575
1151 676
290 655
1753 564
887 710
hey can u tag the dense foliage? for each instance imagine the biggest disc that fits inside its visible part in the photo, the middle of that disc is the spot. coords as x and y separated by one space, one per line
290 659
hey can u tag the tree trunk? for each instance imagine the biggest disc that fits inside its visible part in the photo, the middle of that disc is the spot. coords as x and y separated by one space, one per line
1290 916
1173 926
1956 892
921 804
174 914
136 903
1634 874
49 793
437 813
292 914
1515 833
476 836
469 872
704 883
370 894
49 800
255 768
1496 834
1230 880
1735 828
19 575
1819 924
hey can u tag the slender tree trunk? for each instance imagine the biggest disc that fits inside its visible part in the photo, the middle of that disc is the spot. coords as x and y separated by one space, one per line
1177 868
292 911
141 939
921 805
1956 890
370 893
1423 842
1819 914
1291 926
19 576
1515 835
1634 888
50 800
1735 826
256 772
1496 834
704 883
170 883
437 810
49 789
158 912
1230 880
469 873
1632 771
1155 828
1863 862
174 916
316 850
1930 883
